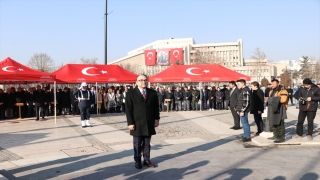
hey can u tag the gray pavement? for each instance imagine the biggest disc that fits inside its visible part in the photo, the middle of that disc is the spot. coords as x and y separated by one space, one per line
188 145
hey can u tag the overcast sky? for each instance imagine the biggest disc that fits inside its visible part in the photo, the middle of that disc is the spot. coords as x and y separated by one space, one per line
68 30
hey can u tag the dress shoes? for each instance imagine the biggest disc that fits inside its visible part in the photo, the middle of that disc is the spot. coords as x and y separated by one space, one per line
148 163
279 141
236 128
138 165
271 138
37 119
232 127
246 139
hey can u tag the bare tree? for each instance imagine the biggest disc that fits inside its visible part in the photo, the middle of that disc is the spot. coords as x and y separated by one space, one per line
285 78
265 82
259 63
41 62
89 61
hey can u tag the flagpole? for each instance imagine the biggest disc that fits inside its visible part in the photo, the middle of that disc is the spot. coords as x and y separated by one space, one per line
105 33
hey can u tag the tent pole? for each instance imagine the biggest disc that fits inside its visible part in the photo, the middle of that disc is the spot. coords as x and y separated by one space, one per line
97 97
54 100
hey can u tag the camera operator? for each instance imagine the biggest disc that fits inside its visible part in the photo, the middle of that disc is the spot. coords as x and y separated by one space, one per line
308 99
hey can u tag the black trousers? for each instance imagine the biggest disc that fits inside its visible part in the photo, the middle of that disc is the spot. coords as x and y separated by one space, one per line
226 103
212 103
258 119
290 97
85 113
219 105
203 104
301 117
31 110
2 110
161 106
75 109
141 145
38 110
123 107
236 117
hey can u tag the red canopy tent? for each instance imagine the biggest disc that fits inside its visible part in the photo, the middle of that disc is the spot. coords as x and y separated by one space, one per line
12 72
93 73
197 73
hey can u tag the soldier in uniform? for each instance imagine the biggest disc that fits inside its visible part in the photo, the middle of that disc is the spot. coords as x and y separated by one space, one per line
85 104
195 98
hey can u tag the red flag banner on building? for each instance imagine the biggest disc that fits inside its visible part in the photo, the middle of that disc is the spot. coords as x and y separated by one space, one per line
163 57
150 57
176 54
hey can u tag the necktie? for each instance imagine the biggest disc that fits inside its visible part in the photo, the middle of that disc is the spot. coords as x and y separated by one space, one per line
144 94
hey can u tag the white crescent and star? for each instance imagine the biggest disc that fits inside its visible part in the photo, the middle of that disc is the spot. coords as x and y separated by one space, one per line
174 53
148 55
191 73
85 71
8 70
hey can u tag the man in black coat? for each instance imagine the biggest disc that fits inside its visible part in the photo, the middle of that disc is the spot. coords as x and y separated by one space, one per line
204 98
234 93
308 103
39 102
74 102
20 96
142 112
169 95
178 98
257 106
161 97
29 100
187 96
227 97
290 93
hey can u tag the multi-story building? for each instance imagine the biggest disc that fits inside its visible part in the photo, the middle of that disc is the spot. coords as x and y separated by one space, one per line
229 54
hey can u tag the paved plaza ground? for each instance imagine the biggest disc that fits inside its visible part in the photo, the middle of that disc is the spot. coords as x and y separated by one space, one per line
188 145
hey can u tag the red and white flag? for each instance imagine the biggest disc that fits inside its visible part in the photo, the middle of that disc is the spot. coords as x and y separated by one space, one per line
176 54
150 57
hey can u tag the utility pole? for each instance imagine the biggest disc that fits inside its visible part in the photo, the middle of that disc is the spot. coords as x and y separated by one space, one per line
105 33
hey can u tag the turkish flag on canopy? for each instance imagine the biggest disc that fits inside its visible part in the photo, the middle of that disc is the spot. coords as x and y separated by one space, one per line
150 57
176 54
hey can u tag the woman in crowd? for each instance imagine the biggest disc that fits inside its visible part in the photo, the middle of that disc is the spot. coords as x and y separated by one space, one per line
119 99
111 100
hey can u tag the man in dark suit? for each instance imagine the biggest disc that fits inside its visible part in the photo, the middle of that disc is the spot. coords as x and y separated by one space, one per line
142 111
204 98
290 93
234 93
29 99
39 101
74 102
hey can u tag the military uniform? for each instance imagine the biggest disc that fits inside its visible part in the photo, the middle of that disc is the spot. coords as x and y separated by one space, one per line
86 101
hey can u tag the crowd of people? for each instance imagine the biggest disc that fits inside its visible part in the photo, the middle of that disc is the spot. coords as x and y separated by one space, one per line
39 101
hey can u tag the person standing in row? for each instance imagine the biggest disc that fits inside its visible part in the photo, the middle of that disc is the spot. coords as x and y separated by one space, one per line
212 98
142 112
234 93
290 94
227 98
169 95
161 97
2 104
178 96
257 106
219 98
308 98
74 102
195 98
204 98
124 94
243 107
39 102
277 106
187 98
85 104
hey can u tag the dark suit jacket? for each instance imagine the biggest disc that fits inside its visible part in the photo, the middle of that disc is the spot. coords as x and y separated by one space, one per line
202 96
234 98
257 101
142 112
39 97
